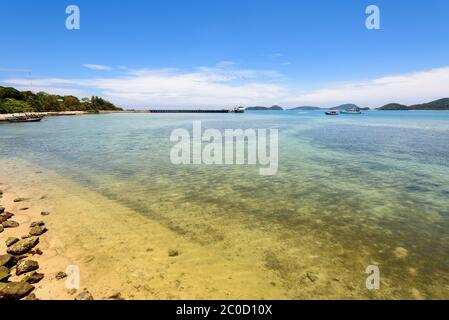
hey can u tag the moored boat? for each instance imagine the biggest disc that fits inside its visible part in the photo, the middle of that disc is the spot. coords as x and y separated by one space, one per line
332 113
25 118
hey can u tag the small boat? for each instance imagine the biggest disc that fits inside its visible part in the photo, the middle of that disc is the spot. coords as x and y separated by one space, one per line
331 113
26 118
351 111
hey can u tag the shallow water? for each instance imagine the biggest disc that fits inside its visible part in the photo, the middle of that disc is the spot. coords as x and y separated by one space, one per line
351 191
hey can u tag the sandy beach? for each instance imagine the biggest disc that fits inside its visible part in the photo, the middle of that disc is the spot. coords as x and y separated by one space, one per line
128 256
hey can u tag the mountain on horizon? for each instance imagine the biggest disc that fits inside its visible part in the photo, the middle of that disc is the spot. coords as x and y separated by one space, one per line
437 105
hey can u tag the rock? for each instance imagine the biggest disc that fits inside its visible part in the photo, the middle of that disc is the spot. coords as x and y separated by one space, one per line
23 246
7 215
24 209
7 260
37 251
2 219
37 224
10 241
15 290
20 199
2 209
37 231
1 228
26 236
4 274
61 275
173 253
31 296
10 224
84 295
26 266
71 291
45 213
34 277
116 296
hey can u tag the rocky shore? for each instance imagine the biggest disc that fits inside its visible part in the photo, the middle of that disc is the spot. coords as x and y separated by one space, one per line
20 271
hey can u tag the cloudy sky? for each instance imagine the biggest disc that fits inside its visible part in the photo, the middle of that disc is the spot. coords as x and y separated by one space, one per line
229 53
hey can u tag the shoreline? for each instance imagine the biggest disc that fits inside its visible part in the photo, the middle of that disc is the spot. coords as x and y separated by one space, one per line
35 273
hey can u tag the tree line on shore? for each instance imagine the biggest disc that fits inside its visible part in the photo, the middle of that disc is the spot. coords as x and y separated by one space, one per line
15 101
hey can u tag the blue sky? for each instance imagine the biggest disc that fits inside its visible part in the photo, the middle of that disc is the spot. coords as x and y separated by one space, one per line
233 52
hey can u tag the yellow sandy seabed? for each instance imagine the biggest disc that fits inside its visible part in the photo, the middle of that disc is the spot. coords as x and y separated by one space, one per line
120 250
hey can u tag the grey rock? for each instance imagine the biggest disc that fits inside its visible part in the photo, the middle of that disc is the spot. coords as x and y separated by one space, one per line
37 223
23 246
15 290
25 266
4 274
10 224
37 231
10 241
33 277
7 260
84 295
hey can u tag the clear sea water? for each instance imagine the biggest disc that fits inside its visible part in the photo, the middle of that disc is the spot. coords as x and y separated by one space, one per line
351 191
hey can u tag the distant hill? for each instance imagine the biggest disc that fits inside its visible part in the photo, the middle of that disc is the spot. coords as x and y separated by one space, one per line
437 105
393 106
273 108
345 106
306 108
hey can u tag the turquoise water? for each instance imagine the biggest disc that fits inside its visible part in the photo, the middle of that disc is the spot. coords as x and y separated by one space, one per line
350 191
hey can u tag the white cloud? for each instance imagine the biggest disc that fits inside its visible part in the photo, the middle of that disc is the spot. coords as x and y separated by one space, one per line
98 67
409 88
224 86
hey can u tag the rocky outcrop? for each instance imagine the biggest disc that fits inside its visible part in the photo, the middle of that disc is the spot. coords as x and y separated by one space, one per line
33 277
15 290
11 240
4 274
23 246
25 266
38 230
37 224
10 224
7 260
84 295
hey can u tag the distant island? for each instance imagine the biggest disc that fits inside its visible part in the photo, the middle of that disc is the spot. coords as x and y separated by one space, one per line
15 101
437 105
273 108
306 108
